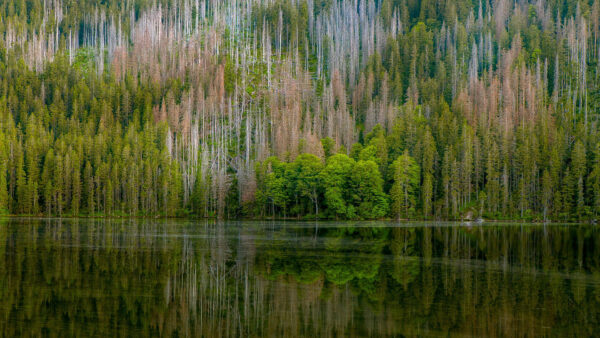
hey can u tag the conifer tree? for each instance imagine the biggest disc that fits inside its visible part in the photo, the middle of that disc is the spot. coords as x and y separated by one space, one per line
429 152
88 178
406 184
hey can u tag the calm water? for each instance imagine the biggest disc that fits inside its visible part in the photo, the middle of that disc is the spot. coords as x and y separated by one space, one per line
184 278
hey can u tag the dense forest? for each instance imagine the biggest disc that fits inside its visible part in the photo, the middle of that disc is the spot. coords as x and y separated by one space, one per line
330 109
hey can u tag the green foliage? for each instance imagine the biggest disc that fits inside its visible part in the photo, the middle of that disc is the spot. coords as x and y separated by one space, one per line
276 184
367 190
72 154
347 189
336 183
84 60
328 146
406 185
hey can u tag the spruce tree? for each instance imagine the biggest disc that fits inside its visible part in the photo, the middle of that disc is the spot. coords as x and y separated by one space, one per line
406 184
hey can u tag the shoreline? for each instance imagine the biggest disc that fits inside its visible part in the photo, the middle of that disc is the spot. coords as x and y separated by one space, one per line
294 219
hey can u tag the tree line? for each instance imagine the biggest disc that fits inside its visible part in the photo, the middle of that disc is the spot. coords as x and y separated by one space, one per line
401 174
83 147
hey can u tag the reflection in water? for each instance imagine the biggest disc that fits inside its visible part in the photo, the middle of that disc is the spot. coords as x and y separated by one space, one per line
147 277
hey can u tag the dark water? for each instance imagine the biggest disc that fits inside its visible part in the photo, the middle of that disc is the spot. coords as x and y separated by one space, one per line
184 278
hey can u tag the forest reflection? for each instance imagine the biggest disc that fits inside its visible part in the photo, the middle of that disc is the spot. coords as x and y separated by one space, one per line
205 278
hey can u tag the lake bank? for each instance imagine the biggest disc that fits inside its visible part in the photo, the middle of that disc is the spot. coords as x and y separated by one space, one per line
296 219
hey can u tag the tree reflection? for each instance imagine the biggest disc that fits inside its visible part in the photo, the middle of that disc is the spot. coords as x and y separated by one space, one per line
141 277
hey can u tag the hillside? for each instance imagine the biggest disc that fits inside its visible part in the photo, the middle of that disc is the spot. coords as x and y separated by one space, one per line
339 109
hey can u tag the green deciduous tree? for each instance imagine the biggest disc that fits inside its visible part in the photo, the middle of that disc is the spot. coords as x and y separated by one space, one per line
336 183
367 190
307 169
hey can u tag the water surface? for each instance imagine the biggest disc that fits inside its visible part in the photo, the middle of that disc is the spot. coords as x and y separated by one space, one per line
204 278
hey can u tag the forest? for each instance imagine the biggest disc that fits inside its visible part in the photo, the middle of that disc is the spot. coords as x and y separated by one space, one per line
301 109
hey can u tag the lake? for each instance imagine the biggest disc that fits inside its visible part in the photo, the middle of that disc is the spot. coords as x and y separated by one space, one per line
205 278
